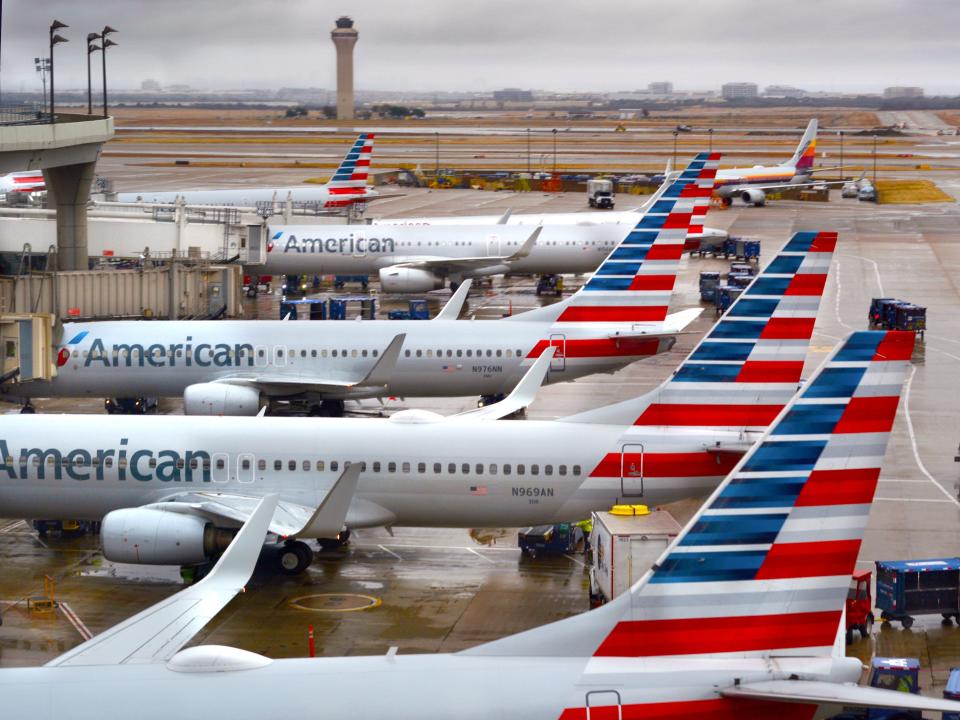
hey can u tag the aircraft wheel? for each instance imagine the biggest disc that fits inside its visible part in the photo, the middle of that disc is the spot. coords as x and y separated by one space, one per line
907 622
295 557
331 408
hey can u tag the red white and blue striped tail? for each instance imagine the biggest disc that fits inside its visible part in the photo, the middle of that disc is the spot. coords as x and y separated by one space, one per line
749 364
763 568
356 165
634 283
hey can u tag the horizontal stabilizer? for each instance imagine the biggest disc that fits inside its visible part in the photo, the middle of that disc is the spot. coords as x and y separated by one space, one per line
807 691
523 394
157 633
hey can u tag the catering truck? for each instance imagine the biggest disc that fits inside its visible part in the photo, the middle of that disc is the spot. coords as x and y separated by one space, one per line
600 193
626 542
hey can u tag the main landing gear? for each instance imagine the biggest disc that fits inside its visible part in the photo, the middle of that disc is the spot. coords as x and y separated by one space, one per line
295 557
327 408
328 544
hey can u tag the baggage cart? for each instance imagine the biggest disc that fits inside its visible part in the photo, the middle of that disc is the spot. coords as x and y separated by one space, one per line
918 587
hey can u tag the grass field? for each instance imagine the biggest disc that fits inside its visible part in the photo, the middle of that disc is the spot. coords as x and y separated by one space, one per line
910 191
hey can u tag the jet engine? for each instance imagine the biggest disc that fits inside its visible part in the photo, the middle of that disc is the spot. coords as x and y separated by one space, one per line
220 399
408 280
158 537
751 196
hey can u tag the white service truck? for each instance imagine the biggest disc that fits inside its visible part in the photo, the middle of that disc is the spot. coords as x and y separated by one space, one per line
626 542
600 193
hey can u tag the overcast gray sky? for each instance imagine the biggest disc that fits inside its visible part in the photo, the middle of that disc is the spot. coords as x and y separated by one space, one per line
467 45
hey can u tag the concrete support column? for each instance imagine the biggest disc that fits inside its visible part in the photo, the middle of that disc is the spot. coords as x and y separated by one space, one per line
68 190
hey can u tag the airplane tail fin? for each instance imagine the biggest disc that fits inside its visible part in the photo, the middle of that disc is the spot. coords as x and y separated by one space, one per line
763 568
802 159
747 367
356 165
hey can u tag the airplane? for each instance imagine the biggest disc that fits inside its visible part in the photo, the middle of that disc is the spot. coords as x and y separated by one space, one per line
234 367
348 185
170 486
413 257
22 182
752 184
742 616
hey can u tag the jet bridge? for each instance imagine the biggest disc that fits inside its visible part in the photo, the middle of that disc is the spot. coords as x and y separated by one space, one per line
27 342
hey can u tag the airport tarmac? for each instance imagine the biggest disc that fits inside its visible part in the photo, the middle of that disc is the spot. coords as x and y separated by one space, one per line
444 590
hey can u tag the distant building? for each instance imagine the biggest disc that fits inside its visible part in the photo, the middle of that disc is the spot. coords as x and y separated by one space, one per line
903 92
784 91
513 95
179 88
737 90
150 86
660 88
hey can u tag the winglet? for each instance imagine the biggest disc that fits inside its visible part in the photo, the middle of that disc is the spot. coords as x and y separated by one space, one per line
157 633
505 217
328 519
527 247
523 394
382 371
454 306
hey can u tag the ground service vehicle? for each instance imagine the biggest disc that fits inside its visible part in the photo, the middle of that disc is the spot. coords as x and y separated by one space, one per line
897 674
859 605
918 587
600 193
626 542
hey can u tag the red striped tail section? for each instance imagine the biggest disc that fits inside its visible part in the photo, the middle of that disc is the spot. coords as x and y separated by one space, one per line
355 167
634 283
763 568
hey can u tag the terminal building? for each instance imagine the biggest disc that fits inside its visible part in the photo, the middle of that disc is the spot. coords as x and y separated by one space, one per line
902 91
739 90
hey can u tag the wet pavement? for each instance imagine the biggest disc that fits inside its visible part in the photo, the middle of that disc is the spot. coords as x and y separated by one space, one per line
442 590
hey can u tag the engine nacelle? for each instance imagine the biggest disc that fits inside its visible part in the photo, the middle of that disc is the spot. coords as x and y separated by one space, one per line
409 280
751 196
220 399
156 537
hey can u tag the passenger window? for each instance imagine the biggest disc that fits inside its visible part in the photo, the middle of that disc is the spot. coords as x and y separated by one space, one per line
334 353
306 465
478 468
153 462
576 470
353 353
194 464
489 353
449 353
278 464
437 468
421 467
376 352
519 354
313 353
406 353
465 468
220 463
406 467
469 353
363 466
534 469
429 353
419 353
499 353
452 468
562 470
180 463
364 353
520 469
303 353
493 468
291 465
376 466
506 469
334 466
459 353
548 469
323 352
391 467
320 465
245 464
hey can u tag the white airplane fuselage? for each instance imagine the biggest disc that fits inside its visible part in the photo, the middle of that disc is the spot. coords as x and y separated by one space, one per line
439 357
251 197
407 687
433 472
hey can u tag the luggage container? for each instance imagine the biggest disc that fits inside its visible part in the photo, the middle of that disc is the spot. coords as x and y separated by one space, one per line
303 309
910 317
918 587
742 268
952 692
626 542
338 307
739 280
546 539
875 314
709 281
724 296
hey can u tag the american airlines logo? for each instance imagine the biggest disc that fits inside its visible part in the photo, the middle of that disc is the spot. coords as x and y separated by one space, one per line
184 354
350 244
80 464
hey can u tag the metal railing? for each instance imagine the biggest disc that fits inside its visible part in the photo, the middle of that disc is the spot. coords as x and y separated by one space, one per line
23 114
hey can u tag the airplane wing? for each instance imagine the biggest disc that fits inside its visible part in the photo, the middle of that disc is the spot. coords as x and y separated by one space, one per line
523 394
808 691
467 264
157 633
454 306
771 187
379 375
673 324
290 519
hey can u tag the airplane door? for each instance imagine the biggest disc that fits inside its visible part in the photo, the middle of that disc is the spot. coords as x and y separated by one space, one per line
245 463
493 246
220 467
603 703
558 362
279 355
261 358
631 471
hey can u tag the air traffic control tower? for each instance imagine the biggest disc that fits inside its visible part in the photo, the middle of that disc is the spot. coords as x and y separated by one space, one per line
344 36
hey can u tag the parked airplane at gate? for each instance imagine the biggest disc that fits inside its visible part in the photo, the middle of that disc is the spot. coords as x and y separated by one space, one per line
412 257
738 619
229 367
752 184
348 185
163 483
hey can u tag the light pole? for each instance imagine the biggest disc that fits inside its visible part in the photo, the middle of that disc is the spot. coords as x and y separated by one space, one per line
674 164
436 170
528 151
710 133
554 151
840 133
54 40
874 160
92 47
105 42
43 67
